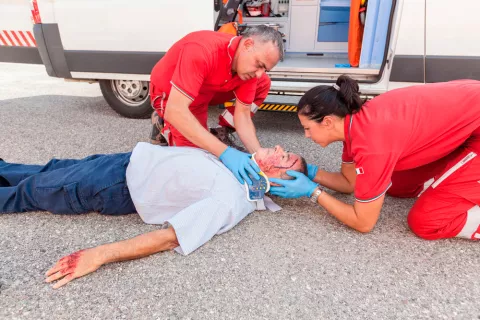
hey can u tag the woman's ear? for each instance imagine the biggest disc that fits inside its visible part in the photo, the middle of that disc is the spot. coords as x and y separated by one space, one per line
328 122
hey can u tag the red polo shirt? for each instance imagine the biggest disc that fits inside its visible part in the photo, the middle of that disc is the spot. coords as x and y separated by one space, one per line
200 65
408 128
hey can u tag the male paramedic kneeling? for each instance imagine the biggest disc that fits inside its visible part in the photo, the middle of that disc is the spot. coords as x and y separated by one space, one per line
208 68
187 190
394 144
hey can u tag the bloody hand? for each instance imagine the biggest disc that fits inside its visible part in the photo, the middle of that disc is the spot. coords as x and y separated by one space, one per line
73 266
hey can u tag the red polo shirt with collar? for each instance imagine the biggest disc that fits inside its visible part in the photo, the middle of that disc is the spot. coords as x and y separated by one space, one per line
200 66
409 128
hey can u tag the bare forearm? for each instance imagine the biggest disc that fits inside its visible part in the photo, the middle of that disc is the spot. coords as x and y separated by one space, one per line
345 213
185 122
138 247
86 261
246 130
334 181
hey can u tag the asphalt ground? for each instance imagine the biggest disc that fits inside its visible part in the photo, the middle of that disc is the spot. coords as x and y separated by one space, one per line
299 263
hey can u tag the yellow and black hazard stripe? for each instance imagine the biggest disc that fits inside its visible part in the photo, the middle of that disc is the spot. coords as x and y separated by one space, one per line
271 107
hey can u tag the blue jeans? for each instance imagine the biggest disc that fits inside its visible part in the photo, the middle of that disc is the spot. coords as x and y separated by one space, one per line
95 183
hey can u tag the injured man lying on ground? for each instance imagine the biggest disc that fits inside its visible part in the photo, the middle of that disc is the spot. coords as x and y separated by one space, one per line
186 190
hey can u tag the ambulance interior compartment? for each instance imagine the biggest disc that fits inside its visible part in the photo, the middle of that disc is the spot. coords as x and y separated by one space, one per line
317 34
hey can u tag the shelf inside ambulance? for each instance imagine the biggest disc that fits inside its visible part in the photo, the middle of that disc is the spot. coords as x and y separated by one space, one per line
329 63
335 3
305 60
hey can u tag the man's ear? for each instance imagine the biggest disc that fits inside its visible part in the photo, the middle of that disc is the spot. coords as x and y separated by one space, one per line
248 44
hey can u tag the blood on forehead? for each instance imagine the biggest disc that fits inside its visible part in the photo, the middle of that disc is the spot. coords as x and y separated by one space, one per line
277 161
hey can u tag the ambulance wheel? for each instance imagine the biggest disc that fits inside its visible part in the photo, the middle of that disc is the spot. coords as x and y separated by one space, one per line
129 98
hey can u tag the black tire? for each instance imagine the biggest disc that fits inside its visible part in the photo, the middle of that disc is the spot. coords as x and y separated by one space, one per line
139 108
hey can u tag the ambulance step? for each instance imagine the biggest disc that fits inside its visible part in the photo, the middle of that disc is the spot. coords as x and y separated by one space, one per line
272 107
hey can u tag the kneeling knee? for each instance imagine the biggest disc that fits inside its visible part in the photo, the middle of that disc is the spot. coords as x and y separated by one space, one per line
422 226
433 225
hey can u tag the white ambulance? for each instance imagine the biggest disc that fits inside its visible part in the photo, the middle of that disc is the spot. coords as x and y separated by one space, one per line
117 42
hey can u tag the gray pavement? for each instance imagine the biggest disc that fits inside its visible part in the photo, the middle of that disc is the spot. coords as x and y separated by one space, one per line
299 263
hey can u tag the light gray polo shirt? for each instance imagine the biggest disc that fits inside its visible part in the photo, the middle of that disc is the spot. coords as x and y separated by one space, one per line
187 187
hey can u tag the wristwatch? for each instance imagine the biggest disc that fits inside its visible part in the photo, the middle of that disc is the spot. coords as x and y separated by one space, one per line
315 194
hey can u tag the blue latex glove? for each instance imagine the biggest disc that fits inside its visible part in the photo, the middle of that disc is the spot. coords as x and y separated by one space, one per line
301 186
312 170
240 163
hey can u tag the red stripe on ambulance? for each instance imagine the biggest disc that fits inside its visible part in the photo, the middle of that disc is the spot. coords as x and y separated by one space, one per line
19 43
32 38
17 39
5 33
24 38
2 40
35 12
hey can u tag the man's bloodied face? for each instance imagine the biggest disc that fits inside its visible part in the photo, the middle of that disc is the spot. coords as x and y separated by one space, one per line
253 58
275 162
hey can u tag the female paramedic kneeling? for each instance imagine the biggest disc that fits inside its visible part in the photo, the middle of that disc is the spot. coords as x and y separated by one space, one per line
394 144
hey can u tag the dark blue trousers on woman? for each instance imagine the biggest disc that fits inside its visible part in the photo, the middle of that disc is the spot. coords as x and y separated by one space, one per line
95 183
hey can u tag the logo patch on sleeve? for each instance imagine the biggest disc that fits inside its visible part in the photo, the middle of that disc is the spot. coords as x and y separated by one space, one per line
359 170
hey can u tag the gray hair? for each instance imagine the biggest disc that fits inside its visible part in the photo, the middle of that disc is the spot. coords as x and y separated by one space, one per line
266 34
